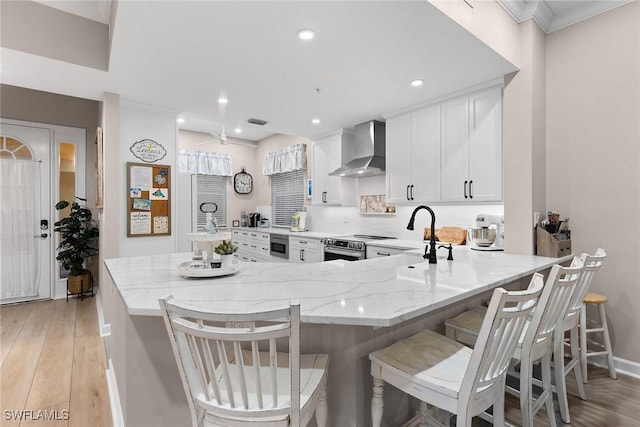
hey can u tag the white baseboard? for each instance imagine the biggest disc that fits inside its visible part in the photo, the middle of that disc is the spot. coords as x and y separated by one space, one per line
114 397
105 328
623 366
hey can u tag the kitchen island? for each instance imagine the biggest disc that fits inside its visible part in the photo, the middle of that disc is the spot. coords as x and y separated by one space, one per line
348 309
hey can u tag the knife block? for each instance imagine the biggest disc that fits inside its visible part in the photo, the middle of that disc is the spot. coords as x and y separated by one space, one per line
548 245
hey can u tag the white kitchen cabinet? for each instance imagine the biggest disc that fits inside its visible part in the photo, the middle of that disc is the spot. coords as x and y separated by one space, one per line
304 250
413 156
329 153
471 145
253 246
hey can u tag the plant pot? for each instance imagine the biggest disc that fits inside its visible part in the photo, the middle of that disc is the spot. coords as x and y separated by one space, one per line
79 283
227 260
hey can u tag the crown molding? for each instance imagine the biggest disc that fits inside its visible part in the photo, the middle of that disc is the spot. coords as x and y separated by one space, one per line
542 13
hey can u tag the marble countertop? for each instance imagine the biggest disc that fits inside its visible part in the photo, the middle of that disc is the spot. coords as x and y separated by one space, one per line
377 292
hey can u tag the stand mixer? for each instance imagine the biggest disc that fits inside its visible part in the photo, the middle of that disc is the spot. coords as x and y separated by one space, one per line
488 234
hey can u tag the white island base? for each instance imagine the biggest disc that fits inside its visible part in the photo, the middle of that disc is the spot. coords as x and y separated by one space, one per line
348 311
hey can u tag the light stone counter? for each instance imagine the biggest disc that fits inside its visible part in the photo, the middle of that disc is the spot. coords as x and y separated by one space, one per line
380 292
348 310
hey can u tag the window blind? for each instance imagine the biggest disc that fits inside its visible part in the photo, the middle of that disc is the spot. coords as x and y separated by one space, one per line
209 192
287 196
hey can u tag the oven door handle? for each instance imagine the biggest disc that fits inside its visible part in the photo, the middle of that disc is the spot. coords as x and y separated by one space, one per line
355 254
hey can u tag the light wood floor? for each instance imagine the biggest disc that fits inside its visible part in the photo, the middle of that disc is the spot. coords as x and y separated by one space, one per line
53 361
53 358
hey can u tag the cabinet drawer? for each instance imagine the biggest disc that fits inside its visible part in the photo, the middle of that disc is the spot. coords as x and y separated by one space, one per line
310 244
380 251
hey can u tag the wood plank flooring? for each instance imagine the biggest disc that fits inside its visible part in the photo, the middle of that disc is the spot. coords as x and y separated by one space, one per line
53 364
52 358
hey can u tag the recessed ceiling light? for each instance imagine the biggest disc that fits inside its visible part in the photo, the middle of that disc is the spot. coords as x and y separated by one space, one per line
417 82
360 171
238 130
180 120
315 121
222 100
306 34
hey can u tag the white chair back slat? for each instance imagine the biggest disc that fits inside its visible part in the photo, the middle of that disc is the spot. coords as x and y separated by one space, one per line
294 362
501 329
199 369
213 392
273 363
242 378
226 374
256 371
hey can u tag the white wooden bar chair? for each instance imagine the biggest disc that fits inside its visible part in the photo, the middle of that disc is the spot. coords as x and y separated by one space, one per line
592 263
232 373
446 374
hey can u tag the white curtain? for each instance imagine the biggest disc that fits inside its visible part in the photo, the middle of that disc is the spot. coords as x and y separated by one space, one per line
204 163
288 159
18 195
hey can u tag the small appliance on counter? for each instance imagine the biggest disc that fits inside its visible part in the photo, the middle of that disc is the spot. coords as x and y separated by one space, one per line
488 234
299 221
254 219
264 223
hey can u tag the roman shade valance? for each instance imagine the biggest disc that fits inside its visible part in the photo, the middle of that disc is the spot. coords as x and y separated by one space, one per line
288 159
204 163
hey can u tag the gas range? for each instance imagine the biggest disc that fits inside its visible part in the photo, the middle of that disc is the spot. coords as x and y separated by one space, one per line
351 248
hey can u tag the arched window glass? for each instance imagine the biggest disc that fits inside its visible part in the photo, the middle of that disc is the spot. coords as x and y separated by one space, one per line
12 148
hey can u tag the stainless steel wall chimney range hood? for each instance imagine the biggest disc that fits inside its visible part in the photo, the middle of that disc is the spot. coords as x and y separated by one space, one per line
369 152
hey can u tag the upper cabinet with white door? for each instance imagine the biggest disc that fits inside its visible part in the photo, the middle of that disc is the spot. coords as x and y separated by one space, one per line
471 129
329 153
413 156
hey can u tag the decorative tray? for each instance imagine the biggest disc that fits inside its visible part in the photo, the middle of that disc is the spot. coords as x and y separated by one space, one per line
193 269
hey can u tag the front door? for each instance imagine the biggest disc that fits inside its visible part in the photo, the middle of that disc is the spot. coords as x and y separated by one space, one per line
25 216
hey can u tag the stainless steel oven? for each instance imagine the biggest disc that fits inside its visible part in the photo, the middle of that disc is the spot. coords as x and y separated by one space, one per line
349 248
344 248
279 245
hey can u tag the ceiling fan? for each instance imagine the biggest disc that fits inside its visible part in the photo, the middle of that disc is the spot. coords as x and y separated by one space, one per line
221 137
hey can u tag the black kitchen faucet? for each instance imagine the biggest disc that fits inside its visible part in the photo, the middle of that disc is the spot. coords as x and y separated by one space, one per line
432 244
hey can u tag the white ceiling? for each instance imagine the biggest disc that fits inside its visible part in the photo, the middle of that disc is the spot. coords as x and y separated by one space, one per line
183 55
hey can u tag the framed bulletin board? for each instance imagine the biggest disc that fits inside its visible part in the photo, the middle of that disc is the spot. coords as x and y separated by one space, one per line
148 200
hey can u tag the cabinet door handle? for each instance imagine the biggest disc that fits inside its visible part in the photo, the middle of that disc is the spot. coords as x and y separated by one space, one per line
384 254
465 189
408 193
301 254
411 191
470 192
324 197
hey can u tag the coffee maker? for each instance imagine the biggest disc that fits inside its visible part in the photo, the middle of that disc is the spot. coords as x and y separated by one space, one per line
488 234
254 219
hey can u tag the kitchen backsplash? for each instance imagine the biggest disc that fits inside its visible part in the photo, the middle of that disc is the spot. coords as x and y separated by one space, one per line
348 220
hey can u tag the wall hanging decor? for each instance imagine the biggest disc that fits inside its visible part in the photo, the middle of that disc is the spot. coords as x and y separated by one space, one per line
148 150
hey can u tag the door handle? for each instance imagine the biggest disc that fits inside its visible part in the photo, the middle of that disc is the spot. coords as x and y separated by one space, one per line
465 189
408 193
470 192
384 254
324 197
301 254
41 236
411 191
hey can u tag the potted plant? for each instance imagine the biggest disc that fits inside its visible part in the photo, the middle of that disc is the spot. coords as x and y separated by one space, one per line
77 236
226 250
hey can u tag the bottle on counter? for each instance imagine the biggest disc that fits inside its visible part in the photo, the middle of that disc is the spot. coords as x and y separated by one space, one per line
243 219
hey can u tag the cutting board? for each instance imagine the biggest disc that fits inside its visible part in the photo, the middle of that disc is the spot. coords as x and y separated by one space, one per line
455 235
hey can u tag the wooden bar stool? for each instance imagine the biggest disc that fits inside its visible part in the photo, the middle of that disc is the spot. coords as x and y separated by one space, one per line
599 300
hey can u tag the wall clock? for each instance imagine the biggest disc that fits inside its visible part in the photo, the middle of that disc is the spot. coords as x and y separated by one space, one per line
243 182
